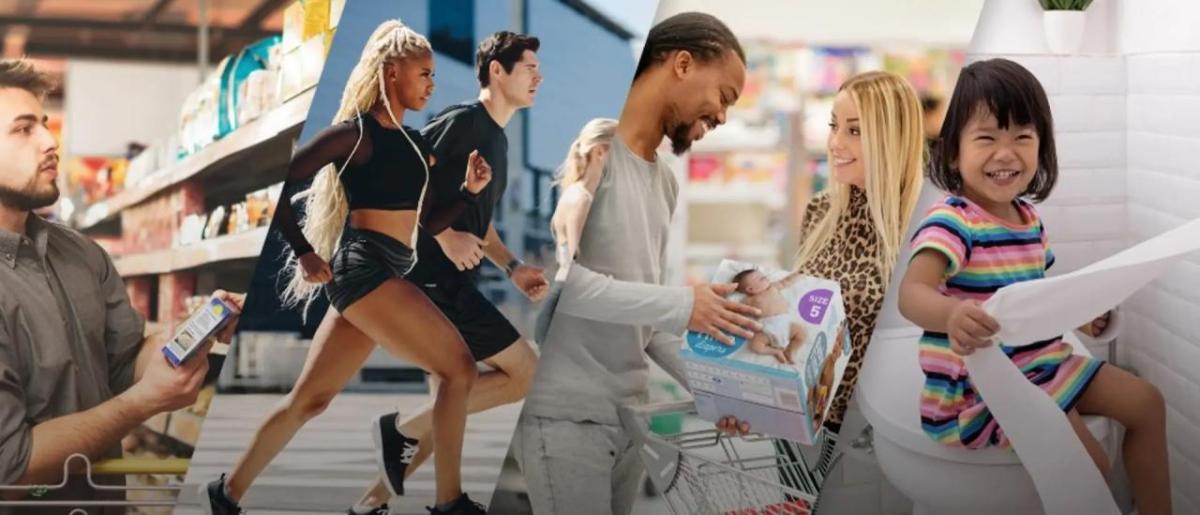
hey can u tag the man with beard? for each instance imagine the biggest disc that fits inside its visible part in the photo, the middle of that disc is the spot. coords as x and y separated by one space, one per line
614 309
76 372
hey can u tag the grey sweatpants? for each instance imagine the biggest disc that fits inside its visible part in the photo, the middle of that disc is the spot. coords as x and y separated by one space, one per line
580 468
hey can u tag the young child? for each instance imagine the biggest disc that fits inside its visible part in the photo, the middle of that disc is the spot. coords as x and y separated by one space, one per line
996 150
777 321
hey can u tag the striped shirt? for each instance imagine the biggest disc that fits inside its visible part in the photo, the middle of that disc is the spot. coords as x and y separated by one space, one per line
986 253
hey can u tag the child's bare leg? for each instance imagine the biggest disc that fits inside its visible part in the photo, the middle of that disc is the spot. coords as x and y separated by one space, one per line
1093 446
1139 406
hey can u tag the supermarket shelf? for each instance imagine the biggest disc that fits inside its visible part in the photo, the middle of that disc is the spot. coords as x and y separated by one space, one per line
716 251
737 137
738 193
225 248
284 119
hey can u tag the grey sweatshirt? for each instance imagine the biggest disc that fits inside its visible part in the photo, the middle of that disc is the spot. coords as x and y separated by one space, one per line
614 310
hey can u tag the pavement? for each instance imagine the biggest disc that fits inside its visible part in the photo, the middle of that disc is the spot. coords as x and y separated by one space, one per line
331 461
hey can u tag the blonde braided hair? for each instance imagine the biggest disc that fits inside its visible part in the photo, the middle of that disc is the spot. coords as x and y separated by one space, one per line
326 206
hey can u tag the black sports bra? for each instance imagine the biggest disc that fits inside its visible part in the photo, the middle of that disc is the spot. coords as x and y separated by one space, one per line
379 169
394 175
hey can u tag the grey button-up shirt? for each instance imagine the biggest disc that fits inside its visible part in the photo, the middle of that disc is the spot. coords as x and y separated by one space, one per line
69 337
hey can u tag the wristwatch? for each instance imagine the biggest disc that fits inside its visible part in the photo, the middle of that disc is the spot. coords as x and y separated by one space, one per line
512 266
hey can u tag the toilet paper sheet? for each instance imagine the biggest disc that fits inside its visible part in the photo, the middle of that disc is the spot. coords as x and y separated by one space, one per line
1065 476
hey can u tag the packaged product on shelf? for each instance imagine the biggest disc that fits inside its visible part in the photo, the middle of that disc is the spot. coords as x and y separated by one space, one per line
234 71
705 168
335 13
782 380
238 219
316 18
199 118
259 95
191 231
216 220
146 228
142 165
757 167
273 193
301 68
293 26
256 208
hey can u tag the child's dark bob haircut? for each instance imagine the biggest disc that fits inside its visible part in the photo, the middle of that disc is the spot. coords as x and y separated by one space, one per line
1015 97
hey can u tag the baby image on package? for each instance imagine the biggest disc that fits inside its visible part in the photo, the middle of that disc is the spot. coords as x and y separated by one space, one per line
782 379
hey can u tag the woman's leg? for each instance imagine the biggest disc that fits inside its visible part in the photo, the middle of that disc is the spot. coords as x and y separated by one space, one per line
403 320
508 383
1139 406
338 351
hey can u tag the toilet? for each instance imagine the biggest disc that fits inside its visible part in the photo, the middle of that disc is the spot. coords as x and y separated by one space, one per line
939 480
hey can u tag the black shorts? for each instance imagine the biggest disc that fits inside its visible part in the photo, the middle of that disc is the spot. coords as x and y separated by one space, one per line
482 326
364 260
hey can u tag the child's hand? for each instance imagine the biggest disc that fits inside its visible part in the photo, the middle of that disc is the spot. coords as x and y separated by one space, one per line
970 327
1096 327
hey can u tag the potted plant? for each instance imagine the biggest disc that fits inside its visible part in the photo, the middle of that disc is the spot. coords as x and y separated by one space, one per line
1064 21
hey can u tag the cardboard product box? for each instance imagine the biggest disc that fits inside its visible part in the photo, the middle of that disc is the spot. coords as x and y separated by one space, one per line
782 380
301 68
316 18
293 26
335 12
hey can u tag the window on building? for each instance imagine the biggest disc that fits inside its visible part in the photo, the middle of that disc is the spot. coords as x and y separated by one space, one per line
452 29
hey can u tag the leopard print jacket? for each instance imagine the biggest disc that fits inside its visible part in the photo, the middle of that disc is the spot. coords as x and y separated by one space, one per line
848 260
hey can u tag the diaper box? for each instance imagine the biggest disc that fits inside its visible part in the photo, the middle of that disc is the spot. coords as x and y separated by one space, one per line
783 379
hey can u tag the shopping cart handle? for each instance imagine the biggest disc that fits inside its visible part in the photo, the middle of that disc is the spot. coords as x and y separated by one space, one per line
157 466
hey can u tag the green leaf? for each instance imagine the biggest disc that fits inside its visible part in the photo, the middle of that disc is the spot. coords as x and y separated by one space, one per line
1065 5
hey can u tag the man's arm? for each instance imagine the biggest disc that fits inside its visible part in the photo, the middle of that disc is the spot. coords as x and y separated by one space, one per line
531 280
35 454
594 296
91 433
495 249
664 350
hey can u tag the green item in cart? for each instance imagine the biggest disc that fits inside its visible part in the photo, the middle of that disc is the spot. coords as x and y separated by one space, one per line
668 423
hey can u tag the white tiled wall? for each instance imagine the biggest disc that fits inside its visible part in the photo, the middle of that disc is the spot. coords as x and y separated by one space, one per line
1162 333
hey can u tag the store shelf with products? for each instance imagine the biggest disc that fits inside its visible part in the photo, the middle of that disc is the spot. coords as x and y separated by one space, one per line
214 163
738 193
243 245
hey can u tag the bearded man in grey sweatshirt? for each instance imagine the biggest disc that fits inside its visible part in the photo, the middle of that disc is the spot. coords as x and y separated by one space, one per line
614 310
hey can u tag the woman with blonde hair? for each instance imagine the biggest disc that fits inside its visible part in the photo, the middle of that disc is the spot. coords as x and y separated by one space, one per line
853 231
577 180
362 214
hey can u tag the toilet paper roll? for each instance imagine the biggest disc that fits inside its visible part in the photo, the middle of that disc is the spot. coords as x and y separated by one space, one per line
1066 478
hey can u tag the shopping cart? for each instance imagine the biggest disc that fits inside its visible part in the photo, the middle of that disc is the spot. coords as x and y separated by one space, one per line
701 471
121 466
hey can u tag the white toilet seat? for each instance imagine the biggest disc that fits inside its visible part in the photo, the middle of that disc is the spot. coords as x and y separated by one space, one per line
888 393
